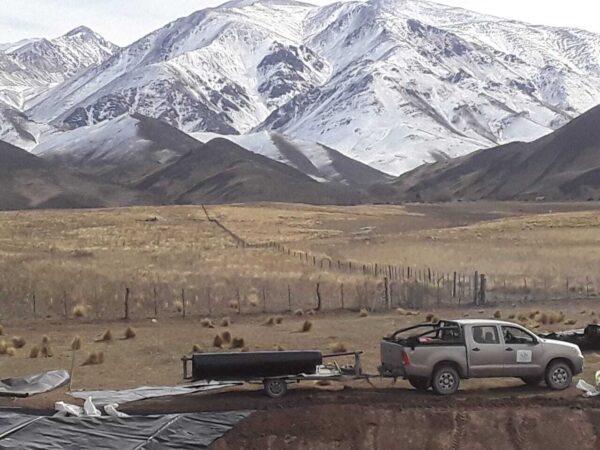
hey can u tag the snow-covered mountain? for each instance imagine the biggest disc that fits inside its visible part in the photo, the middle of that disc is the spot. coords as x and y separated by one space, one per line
391 83
33 66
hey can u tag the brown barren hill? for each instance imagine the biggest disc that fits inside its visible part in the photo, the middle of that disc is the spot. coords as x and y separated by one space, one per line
564 165
27 181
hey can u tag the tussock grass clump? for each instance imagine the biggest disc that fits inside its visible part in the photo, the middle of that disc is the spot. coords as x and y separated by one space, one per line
237 342
245 349
543 319
279 320
466 315
104 337
269 322
571 322
497 314
253 300
522 318
34 352
76 344
481 311
322 383
45 348
94 359
130 333
207 323
278 348
178 306
218 341
583 312
3 347
18 342
225 321
338 347
226 337
298 312
306 326
429 317
311 312
512 316
233 305
197 349
11 351
78 311
402 312
1 330
363 313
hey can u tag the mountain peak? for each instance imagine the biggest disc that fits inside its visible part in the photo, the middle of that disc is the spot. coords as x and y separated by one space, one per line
82 29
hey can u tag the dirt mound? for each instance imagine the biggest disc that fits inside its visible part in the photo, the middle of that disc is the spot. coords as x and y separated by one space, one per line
385 427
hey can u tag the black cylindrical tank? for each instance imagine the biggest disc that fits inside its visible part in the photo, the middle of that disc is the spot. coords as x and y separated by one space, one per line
247 365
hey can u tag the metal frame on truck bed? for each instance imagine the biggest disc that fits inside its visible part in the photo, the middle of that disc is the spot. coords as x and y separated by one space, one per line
276 386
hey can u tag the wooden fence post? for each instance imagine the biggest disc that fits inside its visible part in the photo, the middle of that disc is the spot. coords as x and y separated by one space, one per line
476 288
65 309
319 301
342 295
34 306
387 293
239 301
454 286
126 303
183 306
482 288
289 298
154 293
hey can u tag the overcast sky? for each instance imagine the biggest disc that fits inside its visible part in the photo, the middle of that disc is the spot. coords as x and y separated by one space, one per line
124 21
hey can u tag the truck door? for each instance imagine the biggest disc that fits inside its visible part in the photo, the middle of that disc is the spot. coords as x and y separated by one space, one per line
522 353
485 351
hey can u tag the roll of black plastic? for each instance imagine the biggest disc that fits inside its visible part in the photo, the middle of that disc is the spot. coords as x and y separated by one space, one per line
254 365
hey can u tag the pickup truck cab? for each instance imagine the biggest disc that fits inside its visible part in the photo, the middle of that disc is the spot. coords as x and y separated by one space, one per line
439 355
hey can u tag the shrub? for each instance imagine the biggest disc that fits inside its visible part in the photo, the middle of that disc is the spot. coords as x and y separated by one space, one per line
363 313
543 318
311 312
11 351
226 337
237 343
105 337
298 312
511 316
429 317
571 322
306 326
338 347
218 341
3 347
78 311
497 314
18 342
76 343
94 358
207 323
197 349
225 321
1 330
34 352
278 348
269 322
402 312
278 320
129 333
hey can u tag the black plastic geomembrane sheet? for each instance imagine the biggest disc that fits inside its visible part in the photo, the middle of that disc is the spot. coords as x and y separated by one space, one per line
172 431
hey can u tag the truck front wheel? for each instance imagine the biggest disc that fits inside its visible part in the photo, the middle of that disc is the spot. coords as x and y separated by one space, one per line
275 387
420 383
445 380
559 375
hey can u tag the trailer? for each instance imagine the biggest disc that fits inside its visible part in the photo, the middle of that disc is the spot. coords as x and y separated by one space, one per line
588 338
274 370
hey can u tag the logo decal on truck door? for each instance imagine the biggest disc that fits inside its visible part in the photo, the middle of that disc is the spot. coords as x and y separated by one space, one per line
523 356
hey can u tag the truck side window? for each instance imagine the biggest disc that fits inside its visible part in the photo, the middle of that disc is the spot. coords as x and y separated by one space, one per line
486 335
514 335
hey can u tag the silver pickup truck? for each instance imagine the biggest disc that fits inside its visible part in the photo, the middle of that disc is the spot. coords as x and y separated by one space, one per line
440 355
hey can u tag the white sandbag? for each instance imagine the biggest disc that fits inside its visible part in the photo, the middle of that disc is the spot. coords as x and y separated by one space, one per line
588 389
113 411
90 409
68 409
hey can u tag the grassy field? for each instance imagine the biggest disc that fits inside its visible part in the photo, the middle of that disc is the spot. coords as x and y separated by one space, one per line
61 263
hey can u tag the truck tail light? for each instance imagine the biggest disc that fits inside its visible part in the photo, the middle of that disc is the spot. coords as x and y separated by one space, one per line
405 359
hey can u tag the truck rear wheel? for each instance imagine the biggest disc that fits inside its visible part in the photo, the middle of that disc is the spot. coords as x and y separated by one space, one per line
559 375
420 383
275 387
445 380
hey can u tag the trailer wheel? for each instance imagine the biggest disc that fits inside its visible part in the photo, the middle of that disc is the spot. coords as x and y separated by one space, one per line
445 380
275 387
420 383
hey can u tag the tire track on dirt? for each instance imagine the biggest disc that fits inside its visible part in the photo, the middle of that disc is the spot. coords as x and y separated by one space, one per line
458 434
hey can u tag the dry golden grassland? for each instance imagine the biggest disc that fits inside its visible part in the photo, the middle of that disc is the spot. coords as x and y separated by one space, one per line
81 262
